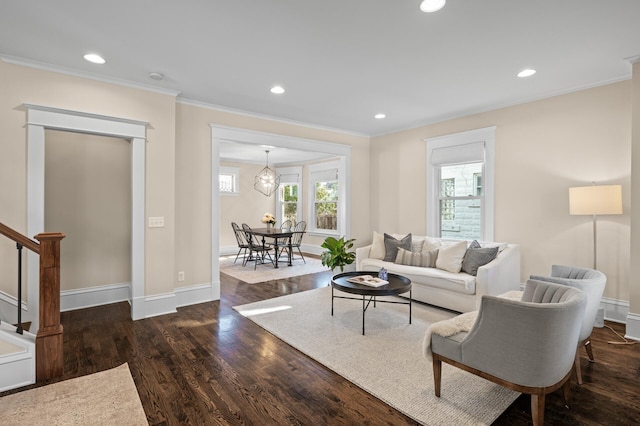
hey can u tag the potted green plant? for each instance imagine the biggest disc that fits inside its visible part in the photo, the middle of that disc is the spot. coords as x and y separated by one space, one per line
337 254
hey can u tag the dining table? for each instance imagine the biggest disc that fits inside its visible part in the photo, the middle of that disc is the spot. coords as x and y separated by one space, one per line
277 234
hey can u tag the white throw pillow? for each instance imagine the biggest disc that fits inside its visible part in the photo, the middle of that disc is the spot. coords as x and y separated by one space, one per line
377 247
431 244
416 244
450 257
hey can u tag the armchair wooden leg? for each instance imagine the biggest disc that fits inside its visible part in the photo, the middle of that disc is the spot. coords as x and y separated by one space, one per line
537 409
587 346
566 389
437 374
577 368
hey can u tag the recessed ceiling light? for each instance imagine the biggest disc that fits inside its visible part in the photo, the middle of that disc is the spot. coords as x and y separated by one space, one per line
277 90
526 73
156 76
96 59
380 116
432 5
268 146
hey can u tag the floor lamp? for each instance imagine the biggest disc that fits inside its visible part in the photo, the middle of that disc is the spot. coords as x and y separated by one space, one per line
595 200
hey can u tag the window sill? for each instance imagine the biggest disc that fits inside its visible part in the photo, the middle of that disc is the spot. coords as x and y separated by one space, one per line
323 233
231 194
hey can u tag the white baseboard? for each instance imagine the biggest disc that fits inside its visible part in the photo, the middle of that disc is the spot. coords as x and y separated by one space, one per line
228 250
71 300
192 295
615 310
151 305
633 327
159 304
313 249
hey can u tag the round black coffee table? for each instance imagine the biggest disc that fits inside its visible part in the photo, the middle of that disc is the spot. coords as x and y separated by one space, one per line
397 285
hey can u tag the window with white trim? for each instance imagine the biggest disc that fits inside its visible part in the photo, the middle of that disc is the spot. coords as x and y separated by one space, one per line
289 195
229 180
326 198
460 185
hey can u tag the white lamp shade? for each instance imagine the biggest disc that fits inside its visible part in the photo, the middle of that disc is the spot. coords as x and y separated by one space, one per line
595 200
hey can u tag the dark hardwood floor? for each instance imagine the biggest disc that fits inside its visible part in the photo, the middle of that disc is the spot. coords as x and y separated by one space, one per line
209 365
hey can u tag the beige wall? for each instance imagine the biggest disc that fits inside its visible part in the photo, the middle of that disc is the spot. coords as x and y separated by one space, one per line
20 85
247 207
88 194
542 149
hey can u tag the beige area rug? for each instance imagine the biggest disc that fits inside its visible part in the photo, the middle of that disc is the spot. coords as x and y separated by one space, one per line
105 398
267 272
387 362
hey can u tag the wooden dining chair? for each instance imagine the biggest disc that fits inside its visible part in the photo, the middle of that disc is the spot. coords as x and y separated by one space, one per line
242 242
283 242
257 251
296 239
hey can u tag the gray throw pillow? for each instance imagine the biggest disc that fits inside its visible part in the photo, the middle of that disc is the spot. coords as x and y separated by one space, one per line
477 257
391 246
475 244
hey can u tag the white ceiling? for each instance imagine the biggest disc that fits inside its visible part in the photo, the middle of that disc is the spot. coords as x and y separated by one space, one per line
340 61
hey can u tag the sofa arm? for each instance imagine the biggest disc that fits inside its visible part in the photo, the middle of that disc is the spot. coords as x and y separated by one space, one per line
500 275
362 253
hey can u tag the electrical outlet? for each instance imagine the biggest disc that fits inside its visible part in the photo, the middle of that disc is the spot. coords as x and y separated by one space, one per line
156 222
181 276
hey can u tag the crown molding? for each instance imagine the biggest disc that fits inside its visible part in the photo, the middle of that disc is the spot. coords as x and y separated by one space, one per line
192 102
633 59
75 73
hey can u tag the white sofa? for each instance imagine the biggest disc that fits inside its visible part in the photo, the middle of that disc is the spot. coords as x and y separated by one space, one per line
460 292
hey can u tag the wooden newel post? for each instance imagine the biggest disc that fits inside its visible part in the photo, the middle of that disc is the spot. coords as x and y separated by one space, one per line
49 357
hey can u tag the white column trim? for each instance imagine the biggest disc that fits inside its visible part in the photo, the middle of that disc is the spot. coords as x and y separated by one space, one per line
35 218
40 118
138 168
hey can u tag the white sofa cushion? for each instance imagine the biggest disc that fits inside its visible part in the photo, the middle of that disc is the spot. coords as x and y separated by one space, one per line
459 283
377 247
431 244
450 257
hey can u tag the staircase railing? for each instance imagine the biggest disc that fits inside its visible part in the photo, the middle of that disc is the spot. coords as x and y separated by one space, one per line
49 351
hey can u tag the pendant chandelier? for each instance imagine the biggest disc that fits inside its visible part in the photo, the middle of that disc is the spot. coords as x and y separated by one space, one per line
267 181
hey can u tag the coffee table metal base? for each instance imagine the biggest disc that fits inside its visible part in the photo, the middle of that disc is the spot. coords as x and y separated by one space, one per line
366 303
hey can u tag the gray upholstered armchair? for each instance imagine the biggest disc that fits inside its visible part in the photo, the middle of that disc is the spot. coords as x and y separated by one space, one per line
526 345
592 283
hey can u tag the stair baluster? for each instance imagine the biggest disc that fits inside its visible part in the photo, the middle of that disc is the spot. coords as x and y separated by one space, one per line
19 329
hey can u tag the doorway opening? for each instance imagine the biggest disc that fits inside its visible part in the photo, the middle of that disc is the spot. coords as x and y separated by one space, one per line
40 119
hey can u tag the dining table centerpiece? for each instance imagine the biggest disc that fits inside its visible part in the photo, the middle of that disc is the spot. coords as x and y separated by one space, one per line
269 219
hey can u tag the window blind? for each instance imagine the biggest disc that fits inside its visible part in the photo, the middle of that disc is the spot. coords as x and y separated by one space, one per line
458 154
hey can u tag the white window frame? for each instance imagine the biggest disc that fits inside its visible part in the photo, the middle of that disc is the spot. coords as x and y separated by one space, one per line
288 176
235 171
458 140
342 194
